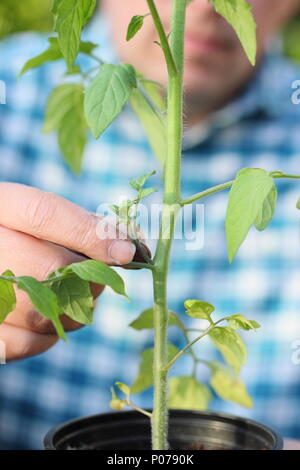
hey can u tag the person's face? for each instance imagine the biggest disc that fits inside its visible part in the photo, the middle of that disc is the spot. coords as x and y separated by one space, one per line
215 63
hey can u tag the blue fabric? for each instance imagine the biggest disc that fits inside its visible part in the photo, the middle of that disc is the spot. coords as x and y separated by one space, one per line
261 128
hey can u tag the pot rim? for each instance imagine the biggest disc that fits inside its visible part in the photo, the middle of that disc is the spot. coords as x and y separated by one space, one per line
49 437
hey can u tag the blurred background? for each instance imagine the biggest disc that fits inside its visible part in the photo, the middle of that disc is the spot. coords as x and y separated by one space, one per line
18 15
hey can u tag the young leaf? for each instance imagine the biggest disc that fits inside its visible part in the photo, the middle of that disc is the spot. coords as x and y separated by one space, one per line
238 14
7 296
135 25
107 95
99 273
146 192
230 388
124 388
144 379
199 309
75 299
70 19
145 320
44 300
139 182
52 53
267 211
115 403
152 119
231 346
246 199
186 393
239 321
65 114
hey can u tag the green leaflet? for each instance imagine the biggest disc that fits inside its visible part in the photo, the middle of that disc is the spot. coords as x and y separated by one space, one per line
231 388
144 379
298 204
138 183
144 101
70 19
199 309
7 296
145 320
246 199
75 299
134 26
187 393
65 114
99 273
231 346
267 211
44 300
238 14
239 321
52 53
106 96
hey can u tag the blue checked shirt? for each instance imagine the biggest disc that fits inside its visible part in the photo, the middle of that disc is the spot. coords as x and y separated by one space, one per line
260 128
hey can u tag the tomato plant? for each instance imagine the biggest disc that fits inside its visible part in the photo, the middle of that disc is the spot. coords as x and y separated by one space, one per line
92 104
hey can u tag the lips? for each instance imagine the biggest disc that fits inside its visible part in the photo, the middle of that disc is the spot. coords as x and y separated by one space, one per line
204 44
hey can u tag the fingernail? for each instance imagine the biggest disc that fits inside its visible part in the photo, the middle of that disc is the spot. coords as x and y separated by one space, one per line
122 251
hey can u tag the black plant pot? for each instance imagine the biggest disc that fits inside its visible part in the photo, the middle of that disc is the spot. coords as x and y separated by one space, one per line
188 430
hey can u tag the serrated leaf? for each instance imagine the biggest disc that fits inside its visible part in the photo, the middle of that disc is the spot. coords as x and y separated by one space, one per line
246 199
231 346
75 299
99 273
230 388
188 394
70 19
43 300
152 119
267 211
238 13
199 309
144 378
145 321
239 321
123 387
65 114
107 94
7 296
134 26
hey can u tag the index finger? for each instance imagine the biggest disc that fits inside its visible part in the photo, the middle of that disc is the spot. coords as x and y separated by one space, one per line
50 217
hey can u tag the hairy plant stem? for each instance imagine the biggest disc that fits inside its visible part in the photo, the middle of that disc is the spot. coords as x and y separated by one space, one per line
171 208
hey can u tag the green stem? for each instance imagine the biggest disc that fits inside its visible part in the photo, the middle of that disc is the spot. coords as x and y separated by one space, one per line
167 226
163 38
189 345
135 264
207 192
140 410
221 187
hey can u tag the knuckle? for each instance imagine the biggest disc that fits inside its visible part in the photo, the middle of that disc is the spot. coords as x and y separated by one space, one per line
40 211
86 234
